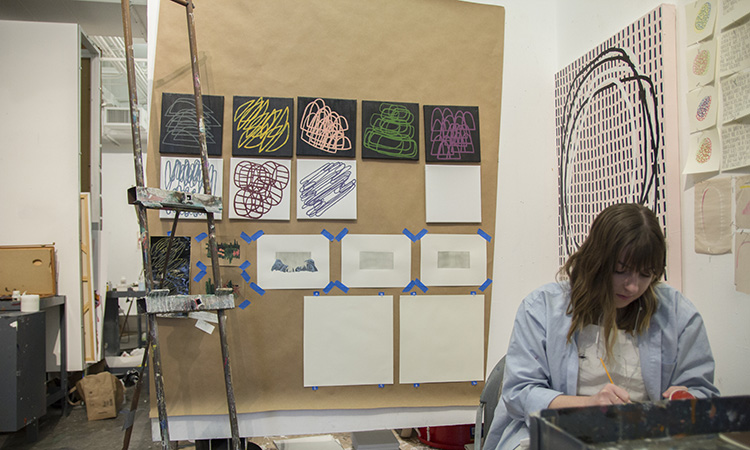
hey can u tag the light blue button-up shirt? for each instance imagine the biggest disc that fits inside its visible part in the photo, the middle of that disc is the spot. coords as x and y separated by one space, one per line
541 364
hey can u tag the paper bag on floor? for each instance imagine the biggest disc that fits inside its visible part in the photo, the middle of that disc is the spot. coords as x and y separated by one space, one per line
103 395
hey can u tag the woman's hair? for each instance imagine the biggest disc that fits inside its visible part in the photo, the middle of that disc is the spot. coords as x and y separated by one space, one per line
625 233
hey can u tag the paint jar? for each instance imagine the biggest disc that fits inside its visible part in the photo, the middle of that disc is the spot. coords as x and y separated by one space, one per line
681 395
29 303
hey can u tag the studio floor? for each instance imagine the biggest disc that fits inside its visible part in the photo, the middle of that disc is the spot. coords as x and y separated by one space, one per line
76 432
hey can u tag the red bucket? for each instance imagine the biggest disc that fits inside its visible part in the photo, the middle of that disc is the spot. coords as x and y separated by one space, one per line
449 437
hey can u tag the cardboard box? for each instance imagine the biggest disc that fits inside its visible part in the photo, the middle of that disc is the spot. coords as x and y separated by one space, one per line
29 269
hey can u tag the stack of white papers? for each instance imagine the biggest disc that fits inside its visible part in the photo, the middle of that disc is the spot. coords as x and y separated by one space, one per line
325 442
374 440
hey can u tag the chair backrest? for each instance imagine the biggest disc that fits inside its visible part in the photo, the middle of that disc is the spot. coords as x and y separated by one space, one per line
488 401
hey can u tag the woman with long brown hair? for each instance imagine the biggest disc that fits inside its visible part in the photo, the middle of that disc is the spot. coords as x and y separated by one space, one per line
609 331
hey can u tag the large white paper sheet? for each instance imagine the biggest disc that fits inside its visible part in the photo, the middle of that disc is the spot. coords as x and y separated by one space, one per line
735 50
735 96
453 260
453 194
705 152
326 189
376 260
297 261
733 10
348 340
735 146
441 338
259 189
184 174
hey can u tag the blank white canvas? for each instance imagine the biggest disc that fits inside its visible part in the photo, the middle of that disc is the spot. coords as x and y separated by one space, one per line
468 248
441 338
348 340
270 247
453 194
365 260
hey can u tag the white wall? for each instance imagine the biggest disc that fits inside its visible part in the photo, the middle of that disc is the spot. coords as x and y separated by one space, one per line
708 280
120 230
527 196
39 154
526 234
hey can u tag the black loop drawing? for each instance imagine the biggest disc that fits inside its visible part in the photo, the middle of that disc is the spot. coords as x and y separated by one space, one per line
609 143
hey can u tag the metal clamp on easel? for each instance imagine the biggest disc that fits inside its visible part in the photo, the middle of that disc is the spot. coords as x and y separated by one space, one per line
144 198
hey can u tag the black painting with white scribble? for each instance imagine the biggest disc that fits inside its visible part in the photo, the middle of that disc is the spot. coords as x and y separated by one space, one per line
179 127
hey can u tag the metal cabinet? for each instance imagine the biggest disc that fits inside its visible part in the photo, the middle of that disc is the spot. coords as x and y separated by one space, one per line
22 369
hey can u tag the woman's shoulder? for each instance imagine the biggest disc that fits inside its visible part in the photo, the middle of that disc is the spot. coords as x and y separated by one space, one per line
554 295
548 290
672 301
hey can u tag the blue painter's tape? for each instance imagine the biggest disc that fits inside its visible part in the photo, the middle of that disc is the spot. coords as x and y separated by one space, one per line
257 235
414 237
169 233
486 236
244 304
341 234
314 388
201 236
409 286
328 287
201 266
257 288
328 235
420 285
245 265
485 285
341 286
245 237
199 276
245 276
381 386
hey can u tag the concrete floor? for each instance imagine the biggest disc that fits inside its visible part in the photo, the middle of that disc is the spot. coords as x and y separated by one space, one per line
76 432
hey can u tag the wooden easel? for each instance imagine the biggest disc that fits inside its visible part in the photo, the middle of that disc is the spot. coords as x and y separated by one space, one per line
158 301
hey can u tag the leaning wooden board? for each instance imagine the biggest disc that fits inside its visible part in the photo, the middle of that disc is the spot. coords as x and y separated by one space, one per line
29 269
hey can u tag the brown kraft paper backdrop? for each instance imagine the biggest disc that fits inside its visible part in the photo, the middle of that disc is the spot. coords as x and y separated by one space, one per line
431 52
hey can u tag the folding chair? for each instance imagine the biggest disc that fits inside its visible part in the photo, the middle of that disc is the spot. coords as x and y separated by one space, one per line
487 403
